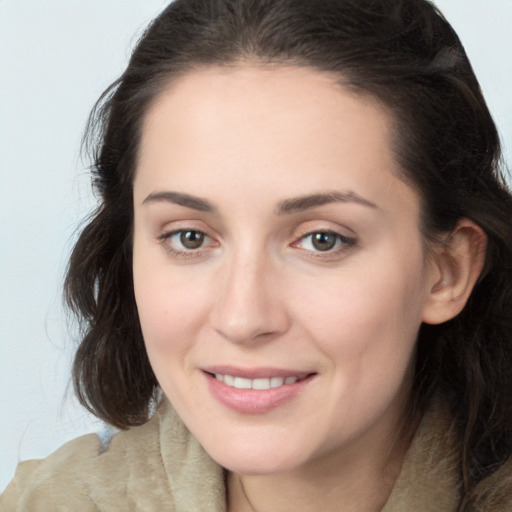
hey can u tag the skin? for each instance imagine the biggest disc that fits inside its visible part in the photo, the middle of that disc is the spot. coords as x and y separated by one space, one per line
257 293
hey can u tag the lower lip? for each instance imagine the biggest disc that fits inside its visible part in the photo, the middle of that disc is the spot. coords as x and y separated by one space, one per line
254 401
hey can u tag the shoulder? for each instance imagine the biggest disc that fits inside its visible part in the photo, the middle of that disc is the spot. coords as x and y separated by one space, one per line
41 485
150 468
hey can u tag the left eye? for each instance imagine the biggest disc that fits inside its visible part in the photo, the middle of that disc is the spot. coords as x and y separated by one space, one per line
186 240
323 241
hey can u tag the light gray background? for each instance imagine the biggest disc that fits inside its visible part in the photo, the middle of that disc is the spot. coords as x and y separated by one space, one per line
56 57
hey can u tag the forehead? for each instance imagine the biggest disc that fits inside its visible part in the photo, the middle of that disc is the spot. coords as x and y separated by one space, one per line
256 127
269 98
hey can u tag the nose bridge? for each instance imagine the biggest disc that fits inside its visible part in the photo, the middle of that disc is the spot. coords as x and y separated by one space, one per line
248 307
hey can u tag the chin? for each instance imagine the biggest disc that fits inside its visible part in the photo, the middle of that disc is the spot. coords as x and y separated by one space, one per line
257 466
258 458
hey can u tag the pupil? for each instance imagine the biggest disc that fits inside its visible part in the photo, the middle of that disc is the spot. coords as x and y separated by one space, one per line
324 241
192 239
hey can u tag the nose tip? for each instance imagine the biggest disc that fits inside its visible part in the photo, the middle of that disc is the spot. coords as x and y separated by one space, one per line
238 329
248 308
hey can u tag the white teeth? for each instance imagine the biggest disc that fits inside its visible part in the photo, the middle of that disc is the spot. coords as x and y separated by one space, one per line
264 383
275 382
261 384
241 383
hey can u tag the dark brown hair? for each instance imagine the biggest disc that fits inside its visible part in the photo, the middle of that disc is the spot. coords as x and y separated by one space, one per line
405 54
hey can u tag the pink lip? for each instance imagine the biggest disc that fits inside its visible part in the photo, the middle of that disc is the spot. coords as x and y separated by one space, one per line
252 401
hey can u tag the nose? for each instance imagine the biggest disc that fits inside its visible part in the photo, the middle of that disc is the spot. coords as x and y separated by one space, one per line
250 307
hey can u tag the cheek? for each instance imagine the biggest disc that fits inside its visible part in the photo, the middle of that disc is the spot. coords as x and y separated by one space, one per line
167 300
167 311
169 321
366 323
367 331
362 308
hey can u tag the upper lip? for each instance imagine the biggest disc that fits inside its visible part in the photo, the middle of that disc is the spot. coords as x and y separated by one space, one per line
256 373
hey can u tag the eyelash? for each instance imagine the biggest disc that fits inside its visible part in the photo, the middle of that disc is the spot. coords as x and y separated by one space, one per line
343 243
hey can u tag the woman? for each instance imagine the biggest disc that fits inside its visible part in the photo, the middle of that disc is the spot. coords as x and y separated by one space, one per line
302 245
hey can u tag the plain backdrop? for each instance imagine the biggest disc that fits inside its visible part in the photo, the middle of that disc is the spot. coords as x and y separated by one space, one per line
56 57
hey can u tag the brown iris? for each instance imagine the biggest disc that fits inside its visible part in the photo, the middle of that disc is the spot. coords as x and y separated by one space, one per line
192 239
323 241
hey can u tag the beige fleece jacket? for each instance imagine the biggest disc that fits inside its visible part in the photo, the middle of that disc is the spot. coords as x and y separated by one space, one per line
160 467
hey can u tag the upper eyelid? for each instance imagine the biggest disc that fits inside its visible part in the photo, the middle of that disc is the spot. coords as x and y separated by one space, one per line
327 230
315 225
170 228
339 231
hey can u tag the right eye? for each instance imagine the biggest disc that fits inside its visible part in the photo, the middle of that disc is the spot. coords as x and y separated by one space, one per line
185 242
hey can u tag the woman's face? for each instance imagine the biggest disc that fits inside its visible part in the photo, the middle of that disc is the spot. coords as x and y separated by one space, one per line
276 249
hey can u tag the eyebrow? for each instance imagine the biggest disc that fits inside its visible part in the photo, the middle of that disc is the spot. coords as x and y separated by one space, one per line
288 206
299 204
195 203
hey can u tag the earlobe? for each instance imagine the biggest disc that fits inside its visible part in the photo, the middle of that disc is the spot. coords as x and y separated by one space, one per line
455 268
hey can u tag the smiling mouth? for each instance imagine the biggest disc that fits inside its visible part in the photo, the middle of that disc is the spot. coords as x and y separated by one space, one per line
255 391
260 383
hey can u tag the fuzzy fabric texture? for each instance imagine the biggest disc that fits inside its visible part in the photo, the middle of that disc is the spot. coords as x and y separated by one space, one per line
160 467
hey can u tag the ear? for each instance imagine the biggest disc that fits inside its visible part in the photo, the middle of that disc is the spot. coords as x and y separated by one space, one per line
455 268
